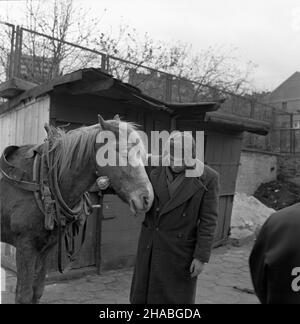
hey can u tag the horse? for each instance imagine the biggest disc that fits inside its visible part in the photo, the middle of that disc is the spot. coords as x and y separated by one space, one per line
74 156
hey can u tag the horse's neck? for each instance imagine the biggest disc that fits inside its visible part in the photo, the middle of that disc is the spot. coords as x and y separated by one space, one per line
76 181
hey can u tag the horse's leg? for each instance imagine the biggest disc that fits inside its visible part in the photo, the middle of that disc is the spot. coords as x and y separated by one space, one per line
26 256
40 275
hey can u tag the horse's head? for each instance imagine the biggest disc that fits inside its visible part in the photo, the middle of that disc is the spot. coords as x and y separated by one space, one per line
120 155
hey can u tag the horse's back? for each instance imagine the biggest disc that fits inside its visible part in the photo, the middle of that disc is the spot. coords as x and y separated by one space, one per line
16 204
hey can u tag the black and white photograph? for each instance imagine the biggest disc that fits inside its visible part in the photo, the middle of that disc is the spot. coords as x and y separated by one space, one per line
150 155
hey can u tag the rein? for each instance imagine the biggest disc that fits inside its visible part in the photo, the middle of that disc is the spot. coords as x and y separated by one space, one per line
67 219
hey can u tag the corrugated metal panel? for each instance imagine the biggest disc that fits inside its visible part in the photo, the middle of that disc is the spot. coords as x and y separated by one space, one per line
25 124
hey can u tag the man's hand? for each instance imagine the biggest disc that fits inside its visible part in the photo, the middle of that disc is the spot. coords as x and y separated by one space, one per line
196 268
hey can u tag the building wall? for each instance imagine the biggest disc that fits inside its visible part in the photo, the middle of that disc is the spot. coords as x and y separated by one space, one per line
289 166
286 104
255 168
287 95
25 124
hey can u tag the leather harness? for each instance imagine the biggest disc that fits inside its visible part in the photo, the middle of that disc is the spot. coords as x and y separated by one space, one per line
46 191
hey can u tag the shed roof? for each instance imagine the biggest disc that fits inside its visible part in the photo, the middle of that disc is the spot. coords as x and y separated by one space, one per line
95 82
238 123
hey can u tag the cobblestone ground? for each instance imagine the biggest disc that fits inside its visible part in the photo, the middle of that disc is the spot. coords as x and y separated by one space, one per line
225 280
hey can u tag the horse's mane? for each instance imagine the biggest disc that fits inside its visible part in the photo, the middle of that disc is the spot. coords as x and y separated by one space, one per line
77 146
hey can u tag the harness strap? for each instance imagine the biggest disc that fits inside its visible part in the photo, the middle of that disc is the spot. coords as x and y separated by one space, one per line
65 216
24 185
13 174
36 166
60 236
57 209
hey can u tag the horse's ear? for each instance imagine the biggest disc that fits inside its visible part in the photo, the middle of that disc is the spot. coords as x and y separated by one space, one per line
101 121
47 128
50 130
117 117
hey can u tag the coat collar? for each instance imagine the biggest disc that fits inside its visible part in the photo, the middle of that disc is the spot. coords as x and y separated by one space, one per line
184 192
159 182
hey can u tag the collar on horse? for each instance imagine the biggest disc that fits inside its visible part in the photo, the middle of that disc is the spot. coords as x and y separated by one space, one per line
13 174
48 196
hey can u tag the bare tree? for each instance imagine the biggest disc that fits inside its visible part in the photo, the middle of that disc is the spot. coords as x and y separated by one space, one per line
213 69
6 36
43 58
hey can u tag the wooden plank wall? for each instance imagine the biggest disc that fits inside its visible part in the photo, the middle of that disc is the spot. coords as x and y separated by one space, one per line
223 154
120 232
23 125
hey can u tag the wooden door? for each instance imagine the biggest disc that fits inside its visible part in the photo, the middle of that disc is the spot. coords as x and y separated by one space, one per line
223 154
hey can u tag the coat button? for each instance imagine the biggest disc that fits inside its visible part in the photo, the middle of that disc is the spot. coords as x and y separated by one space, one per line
157 210
179 235
157 229
183 215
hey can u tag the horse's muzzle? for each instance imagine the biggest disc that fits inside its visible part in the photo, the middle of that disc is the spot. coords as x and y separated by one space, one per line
141 201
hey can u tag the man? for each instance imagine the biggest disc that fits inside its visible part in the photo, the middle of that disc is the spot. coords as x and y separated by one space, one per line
177 233
275 258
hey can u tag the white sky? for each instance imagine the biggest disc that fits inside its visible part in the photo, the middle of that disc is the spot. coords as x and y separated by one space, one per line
266 32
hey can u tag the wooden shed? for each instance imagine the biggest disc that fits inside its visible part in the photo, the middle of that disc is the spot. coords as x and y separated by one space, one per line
75 100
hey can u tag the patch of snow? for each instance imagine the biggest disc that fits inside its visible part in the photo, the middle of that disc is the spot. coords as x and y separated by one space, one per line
248 215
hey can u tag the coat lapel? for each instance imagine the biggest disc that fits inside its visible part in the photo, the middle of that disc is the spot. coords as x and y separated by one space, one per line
184 192
158 180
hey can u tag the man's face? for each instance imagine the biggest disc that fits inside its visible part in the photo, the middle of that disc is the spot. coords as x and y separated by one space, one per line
177 167
177 158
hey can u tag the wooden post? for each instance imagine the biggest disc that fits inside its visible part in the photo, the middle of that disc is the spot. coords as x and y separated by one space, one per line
252 108
11 56
18 51
273 137
104 63
251 136
173 123
168 94
98 234
291 133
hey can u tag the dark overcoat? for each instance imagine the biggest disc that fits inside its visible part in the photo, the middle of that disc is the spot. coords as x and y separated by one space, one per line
175 230
275 258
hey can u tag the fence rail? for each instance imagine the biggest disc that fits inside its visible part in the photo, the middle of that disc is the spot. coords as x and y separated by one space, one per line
39 58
